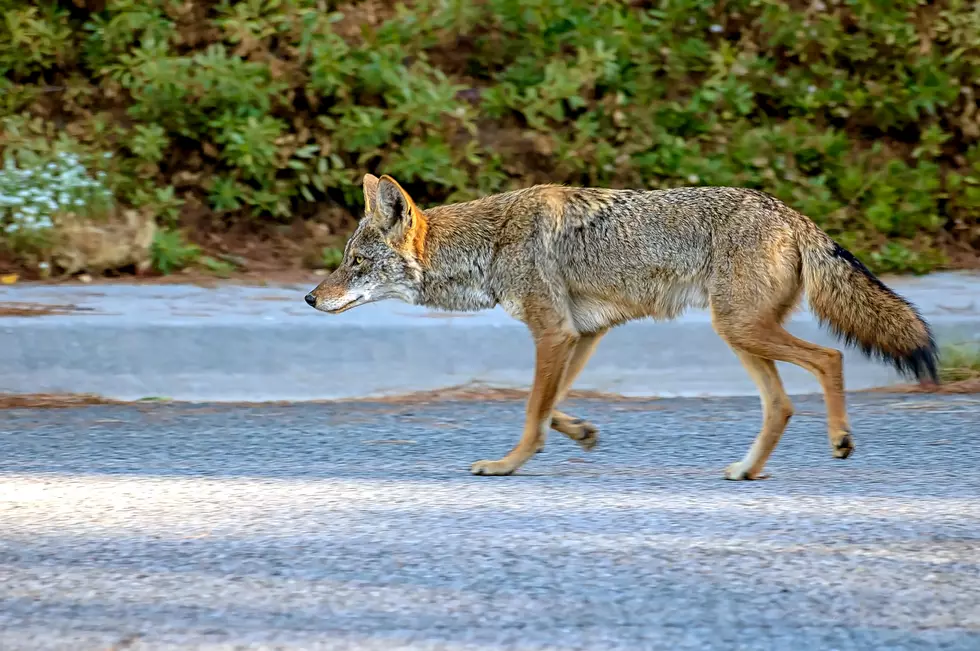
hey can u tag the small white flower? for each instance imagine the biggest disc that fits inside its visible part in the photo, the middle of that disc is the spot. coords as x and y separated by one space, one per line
43 266
107 155
716 29
811 89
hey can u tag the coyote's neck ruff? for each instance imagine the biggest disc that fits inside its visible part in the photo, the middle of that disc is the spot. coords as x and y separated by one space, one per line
572 263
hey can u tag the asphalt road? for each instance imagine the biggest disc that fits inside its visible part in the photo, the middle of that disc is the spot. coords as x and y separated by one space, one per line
359 527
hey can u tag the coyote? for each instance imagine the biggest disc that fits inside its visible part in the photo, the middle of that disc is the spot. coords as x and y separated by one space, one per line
573 262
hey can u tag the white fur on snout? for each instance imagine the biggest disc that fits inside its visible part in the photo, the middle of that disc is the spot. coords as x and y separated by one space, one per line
348 298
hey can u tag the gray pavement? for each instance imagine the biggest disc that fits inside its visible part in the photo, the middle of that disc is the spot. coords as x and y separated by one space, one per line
357 526
264 343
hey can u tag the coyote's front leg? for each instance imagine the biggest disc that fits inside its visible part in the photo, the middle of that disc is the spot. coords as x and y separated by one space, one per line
553 348
579 430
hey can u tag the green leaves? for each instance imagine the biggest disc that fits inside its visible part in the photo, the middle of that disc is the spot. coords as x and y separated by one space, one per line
149 142
33 38
249 144
170 252
861 114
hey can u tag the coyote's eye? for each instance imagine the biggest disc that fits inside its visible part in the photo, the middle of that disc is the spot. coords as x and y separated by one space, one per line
358 260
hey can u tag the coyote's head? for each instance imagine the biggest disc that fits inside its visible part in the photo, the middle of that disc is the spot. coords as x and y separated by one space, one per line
383 258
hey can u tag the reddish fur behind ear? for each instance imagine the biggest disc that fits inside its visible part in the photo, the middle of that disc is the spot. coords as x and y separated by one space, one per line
418 236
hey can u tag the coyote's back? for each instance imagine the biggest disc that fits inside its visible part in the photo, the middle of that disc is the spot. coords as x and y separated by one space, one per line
616 255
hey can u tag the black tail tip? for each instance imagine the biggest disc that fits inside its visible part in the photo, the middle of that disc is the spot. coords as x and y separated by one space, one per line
921 364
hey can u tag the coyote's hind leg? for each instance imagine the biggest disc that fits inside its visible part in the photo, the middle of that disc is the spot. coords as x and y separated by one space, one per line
776 413
758 346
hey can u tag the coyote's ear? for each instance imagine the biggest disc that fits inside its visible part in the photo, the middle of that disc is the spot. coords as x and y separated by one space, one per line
397 214
370 192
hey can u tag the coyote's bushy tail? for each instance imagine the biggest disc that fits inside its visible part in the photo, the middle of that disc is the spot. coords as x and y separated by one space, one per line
861 310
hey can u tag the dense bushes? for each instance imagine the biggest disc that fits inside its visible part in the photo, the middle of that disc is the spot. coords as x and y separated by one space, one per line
862 114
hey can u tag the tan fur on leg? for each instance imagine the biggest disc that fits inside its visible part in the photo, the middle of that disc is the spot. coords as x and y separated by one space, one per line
581 431
772 342
776 412
553 351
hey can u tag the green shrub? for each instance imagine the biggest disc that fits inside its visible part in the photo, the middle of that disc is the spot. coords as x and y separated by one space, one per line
861 114
34 39
171 252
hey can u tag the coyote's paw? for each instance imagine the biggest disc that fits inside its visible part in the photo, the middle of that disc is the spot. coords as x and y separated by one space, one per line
841 444
502 467
739 471
581 431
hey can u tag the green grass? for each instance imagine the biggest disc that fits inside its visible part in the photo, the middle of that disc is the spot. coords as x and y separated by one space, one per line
960 362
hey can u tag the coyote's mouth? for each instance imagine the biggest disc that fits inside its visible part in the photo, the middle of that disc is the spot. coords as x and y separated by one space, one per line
346 306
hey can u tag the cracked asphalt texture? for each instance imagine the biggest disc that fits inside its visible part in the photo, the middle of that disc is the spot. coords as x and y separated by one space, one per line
358 526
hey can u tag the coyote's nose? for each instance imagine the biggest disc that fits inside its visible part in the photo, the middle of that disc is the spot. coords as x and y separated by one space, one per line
311 300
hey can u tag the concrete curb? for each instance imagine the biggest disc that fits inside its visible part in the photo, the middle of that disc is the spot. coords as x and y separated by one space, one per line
238 343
